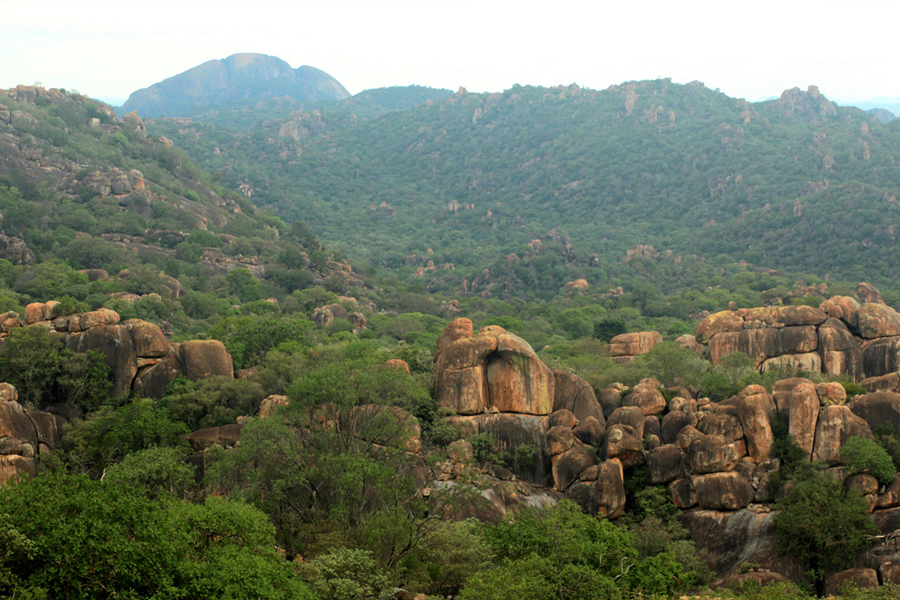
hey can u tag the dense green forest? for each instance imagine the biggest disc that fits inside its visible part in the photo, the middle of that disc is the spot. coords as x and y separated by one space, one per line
794 184
282 216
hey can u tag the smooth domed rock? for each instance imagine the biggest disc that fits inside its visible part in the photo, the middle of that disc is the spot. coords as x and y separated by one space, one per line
634 344
574 394
877 321
863 483
756 579
868 293
225 436
652 426
610 399
665 463
494 370
458 329
149 340
649 400
590 431
687 436
563 418
883 383
399 364
722 491
8 392
712 454
863 579
205 358
632 416
719 322
844 308
831 392
672 424
624 445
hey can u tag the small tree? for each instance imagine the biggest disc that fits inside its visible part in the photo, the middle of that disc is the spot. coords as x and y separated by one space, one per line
823 525
861 454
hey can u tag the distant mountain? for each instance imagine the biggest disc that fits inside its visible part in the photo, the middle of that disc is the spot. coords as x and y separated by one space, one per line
240 78
885 109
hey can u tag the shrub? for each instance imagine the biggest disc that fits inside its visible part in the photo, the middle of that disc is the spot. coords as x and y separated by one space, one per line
861 454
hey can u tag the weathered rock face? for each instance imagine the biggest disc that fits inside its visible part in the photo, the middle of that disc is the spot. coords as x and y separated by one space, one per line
510 431
604 496
878 408
205 358
881 356
225 436
722 491
712 454
840 351
24 434
494 370
733 538
755 413
803 414
835 426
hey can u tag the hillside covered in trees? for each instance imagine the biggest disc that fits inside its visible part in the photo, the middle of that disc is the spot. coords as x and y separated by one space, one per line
465 182
312 365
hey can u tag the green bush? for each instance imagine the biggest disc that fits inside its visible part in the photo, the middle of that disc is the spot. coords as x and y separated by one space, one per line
861 454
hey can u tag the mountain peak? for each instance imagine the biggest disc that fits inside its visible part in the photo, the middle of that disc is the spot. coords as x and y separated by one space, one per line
237 78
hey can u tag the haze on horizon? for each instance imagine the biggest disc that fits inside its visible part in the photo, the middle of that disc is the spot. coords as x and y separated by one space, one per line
754 50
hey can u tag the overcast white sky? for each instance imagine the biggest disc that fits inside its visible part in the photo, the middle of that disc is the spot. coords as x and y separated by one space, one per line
108 49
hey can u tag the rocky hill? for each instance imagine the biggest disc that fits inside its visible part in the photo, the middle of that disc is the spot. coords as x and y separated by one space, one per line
240 78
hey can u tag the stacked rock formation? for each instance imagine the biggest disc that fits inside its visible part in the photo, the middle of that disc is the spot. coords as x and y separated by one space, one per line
496 384
140 357
844 336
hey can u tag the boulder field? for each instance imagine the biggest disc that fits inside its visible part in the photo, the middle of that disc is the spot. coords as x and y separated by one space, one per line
715 458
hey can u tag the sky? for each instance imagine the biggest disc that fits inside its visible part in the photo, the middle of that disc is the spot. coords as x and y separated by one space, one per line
753 50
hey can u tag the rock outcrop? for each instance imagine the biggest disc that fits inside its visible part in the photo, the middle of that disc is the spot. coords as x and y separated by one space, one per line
844 336
140 357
